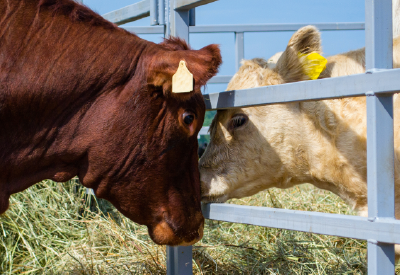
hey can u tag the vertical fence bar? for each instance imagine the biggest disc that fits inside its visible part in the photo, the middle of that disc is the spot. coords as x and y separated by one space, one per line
239 48
179 22
161 12
153 12
378 34
179 260
167 11
380 155
192 17
380 178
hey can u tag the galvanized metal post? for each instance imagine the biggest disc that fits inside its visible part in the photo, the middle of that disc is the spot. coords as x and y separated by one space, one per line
380 178
153 12
378 34
239 48
380 155
192 17
179 22
167 30
179 260
161 12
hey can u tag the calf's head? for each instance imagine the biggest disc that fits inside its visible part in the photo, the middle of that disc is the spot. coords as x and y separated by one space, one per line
255 148
143 156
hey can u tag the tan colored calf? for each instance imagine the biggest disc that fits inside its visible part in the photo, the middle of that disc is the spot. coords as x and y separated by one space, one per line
281 145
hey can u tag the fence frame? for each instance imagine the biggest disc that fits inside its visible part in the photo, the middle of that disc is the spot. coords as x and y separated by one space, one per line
378 84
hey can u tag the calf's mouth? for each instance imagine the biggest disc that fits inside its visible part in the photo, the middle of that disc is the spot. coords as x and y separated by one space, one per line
214 198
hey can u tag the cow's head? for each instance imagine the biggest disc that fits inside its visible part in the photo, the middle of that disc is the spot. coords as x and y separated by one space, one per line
145 159
252 149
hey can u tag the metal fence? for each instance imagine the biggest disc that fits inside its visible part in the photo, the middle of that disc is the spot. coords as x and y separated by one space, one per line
380 229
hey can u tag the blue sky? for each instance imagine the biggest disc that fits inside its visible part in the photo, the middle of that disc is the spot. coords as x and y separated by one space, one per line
256 12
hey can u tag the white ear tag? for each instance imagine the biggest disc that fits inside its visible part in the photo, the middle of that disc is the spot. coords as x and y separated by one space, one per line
182 80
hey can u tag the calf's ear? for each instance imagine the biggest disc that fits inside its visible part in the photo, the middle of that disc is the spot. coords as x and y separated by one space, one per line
302 60
202 64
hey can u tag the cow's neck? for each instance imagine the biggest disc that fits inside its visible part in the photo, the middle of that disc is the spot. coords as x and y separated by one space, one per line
336 143
53 71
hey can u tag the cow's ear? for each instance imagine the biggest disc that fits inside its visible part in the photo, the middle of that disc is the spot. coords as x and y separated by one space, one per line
302 58
202 64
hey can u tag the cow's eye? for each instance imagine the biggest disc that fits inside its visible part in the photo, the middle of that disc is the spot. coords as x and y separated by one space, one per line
188 118
238 121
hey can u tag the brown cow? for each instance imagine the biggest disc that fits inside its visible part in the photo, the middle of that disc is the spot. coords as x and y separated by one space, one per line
80 96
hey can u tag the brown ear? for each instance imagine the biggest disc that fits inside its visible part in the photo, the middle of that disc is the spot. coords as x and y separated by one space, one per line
306 40
203 63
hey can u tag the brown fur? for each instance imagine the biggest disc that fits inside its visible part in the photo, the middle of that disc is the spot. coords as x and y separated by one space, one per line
76 13
80 96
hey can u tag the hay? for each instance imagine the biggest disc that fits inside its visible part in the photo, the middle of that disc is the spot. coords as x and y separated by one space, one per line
50 229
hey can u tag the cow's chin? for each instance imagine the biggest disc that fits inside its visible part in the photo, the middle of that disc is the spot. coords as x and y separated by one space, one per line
163 234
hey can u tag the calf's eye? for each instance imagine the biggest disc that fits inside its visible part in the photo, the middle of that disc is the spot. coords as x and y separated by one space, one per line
188 118
238 121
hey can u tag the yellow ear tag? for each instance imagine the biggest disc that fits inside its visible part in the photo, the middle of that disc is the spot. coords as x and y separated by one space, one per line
182 80
313 64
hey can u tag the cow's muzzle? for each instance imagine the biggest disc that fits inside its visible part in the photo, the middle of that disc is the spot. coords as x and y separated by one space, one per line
165 233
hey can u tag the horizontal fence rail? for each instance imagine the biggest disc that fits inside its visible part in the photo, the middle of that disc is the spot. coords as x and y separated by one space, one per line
250 27
145 30
144 8
275 27
379 82
190 4
220 79
381 230
129 13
